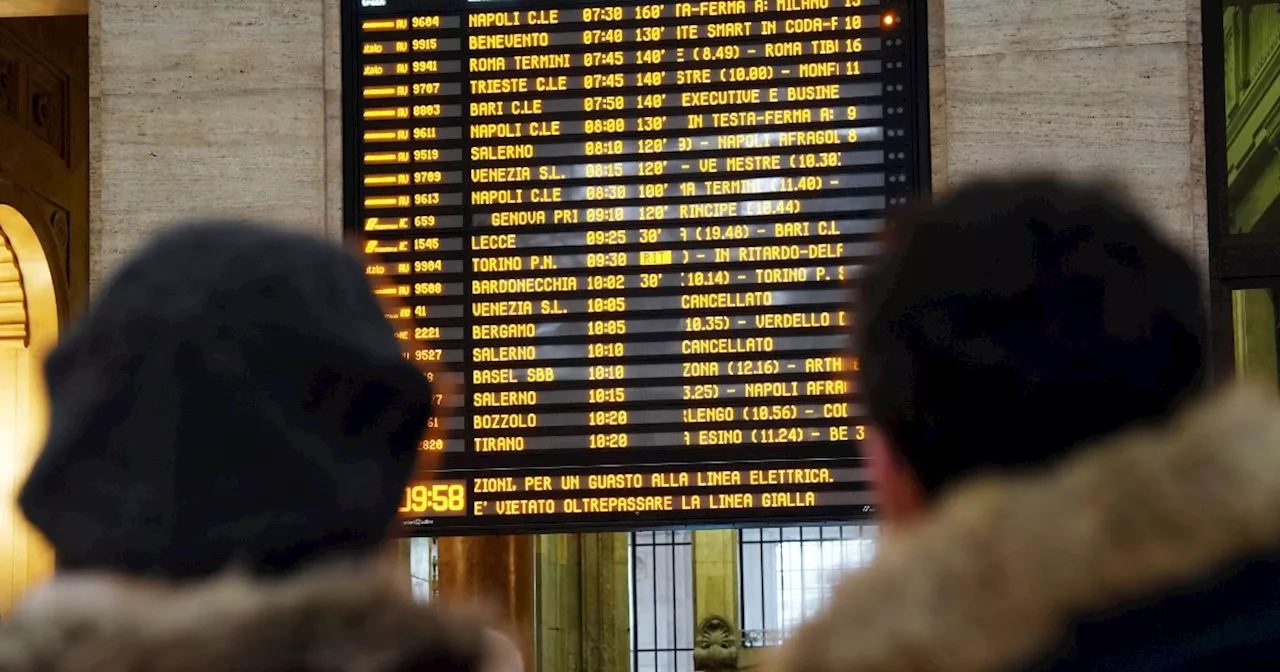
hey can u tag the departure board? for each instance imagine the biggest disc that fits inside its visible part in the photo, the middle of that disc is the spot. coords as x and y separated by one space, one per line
627 235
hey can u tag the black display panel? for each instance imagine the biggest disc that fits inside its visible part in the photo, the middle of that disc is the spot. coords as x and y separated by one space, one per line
628 234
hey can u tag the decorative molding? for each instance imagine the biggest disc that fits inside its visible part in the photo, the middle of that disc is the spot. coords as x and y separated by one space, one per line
47 113
8 85
716 645
41 110
14 329
12 9
45 214
60 224
36 94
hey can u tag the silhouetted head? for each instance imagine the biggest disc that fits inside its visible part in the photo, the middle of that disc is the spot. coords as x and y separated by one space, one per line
1012 321
235 397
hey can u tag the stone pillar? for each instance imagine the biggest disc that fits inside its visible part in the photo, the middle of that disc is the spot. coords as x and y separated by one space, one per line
494 571
584 614
715 575
715 600
560 620
606 602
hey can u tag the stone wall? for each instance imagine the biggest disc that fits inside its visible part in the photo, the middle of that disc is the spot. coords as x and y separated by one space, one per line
234 106
202 108
1095 87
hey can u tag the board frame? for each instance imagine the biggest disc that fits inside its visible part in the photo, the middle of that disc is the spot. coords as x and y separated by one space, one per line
922 148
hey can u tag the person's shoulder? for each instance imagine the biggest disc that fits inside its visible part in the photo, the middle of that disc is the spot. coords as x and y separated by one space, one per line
1226 620
997 573
338 618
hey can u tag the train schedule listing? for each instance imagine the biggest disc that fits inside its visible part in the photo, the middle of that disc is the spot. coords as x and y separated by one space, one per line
631 232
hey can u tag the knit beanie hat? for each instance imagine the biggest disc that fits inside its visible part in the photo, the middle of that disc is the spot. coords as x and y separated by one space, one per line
234 398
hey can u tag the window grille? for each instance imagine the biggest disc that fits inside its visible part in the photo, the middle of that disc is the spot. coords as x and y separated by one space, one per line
662 601
788 573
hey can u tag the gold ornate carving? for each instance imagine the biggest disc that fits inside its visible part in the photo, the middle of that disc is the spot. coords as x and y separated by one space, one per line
59 222
36 94
14 332
47 111
42 209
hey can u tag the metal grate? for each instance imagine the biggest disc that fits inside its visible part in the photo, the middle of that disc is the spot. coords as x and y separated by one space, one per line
788 573
423 568
662 601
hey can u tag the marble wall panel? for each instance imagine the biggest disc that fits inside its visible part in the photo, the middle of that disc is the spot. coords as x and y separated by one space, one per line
1049 110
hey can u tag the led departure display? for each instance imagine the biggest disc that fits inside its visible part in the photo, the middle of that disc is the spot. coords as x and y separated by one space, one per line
629 233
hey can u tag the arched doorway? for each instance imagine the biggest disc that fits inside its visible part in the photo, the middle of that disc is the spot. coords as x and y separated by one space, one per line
30 322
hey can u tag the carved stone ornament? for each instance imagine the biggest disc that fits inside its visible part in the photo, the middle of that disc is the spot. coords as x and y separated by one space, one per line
47 105
715 647
40 110
59 223
8 85
47 121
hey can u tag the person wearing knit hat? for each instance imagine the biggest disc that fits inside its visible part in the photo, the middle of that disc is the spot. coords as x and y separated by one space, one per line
232 426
